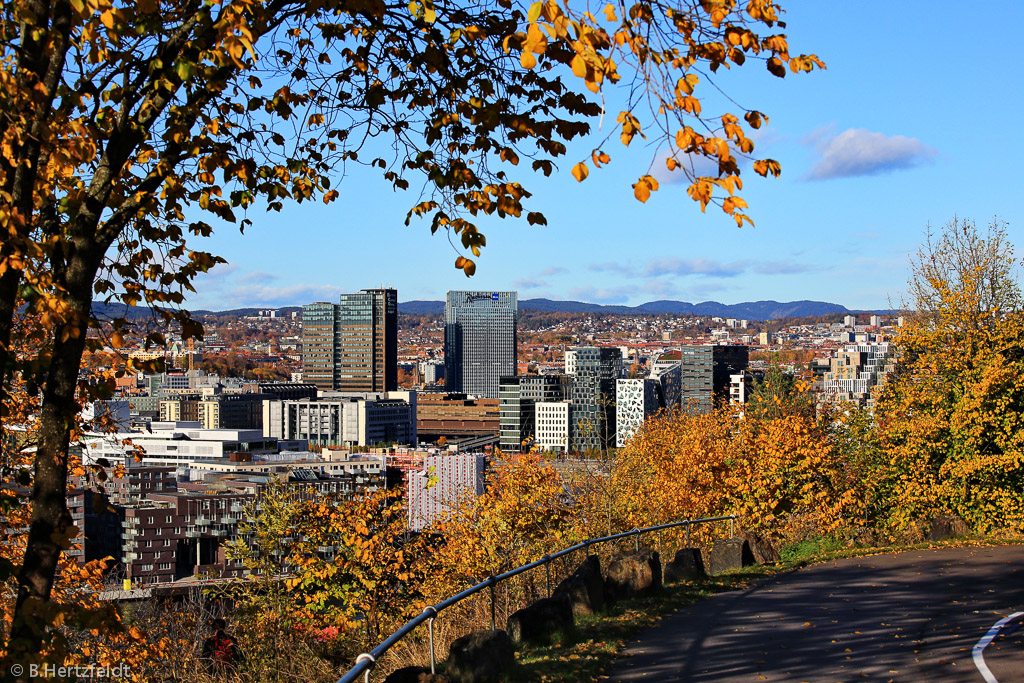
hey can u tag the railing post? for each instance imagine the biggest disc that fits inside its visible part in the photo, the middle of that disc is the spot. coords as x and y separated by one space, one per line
732 529
636 540
366 656
493 620
547 567
430 635
687 533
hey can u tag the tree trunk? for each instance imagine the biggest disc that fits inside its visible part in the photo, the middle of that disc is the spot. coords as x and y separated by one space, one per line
9 283
51 523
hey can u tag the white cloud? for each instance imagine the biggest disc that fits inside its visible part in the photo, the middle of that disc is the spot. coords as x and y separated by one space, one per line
697 266
860 152
612 267
289 295
529 283
257 277
603 295
662 288
553 270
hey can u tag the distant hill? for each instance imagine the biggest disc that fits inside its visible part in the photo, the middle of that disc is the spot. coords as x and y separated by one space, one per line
751 310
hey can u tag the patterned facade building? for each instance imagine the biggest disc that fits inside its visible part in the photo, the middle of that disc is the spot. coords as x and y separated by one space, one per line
635 401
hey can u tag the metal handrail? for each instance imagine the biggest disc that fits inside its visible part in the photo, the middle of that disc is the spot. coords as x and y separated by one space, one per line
367 660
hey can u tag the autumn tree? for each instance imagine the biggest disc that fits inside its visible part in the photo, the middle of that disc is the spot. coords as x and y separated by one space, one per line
780 393
128 127
950 419
321 568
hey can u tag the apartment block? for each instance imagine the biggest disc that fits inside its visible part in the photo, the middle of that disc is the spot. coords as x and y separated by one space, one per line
517 398
363 419
444 481
552 425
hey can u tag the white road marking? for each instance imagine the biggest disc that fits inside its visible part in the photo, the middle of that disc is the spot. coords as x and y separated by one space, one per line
979 648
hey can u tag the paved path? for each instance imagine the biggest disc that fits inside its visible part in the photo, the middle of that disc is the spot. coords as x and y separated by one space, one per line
912 616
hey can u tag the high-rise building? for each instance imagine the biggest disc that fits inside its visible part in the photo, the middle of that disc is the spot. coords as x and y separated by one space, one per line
352 345
479 341
592 414
706 373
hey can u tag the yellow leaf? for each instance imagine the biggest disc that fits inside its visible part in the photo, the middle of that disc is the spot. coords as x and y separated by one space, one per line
643 188
580 172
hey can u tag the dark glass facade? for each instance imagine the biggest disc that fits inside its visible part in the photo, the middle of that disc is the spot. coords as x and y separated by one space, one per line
705 374
517 398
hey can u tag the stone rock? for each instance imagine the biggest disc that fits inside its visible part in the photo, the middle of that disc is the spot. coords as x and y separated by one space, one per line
947 526
865 537
584 589
481 657
415 674
687 565
541 621
763 549
733 553
636 572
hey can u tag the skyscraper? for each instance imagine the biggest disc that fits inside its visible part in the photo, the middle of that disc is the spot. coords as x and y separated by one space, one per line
479 341
352 345
592 412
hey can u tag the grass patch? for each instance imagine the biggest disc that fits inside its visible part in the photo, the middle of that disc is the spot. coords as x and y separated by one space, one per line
808 550
600 639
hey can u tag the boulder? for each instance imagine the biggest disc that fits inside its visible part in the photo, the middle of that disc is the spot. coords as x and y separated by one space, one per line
947 526
763 549
687 565
415 674
541 621
481 657
584 589
632 573
733 553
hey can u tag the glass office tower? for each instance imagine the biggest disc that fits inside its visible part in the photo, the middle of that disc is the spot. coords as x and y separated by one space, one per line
352 345
479 341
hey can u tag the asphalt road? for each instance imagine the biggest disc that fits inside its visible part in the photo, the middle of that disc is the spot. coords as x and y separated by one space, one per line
912 616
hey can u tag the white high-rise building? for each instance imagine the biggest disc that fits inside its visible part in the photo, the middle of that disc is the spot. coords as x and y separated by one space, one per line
552 425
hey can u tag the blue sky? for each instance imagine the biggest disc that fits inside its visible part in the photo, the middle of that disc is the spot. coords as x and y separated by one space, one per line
914 121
